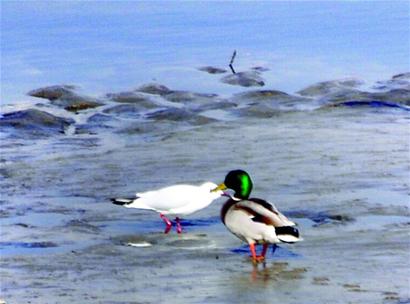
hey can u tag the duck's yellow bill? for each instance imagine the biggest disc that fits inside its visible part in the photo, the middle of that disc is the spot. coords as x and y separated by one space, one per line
220 187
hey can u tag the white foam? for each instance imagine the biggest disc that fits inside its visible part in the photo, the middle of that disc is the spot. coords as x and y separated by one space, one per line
139 245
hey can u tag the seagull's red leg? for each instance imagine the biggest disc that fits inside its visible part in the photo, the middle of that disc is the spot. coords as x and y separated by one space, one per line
264 249
179 228
167 222
255 258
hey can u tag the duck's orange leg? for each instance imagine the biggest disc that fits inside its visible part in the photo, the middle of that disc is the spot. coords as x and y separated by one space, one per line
255 258
264 249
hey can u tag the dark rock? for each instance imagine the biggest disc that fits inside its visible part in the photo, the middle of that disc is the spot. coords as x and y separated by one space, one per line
401 76
257 111
132 97
180 115
399 81
343 95
262 95
76 103
399 96
95 124
217 105
34 123
125 110
177 95
53 92
212 70
133 104
271 97
191 97
260 69
153 88
371 103
244 79
266 103
64 96
174 114
79 106
328 87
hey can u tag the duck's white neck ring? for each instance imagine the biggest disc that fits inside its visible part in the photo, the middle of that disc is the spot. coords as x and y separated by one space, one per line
231 196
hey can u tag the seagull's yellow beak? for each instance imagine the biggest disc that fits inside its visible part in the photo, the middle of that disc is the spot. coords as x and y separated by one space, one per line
219 188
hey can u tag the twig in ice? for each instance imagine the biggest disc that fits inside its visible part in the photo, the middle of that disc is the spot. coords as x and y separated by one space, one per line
230 63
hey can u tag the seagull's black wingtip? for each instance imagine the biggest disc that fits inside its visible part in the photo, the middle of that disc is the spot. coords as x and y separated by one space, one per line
122 201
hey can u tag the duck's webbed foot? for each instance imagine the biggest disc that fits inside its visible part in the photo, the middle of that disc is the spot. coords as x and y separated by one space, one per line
258 258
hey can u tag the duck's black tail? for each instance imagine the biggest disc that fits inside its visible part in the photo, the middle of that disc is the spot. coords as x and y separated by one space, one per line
287 234
123 201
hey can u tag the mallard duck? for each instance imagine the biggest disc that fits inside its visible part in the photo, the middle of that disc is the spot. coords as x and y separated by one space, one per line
173 200
254 220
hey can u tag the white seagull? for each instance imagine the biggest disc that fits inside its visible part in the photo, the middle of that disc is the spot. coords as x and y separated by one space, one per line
174 200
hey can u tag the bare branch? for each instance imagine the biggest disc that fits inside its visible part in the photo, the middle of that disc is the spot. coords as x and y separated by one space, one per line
231 62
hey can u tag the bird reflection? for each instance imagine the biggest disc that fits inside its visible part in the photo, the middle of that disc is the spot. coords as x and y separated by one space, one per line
277 271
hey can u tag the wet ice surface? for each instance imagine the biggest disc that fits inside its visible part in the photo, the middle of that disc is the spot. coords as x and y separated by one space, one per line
342 173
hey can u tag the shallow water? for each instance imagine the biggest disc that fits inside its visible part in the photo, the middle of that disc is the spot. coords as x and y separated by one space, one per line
341 173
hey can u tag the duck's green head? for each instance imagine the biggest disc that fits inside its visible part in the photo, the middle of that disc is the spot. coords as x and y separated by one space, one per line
239 181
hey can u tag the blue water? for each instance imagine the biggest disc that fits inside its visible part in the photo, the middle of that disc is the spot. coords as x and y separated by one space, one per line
118 45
